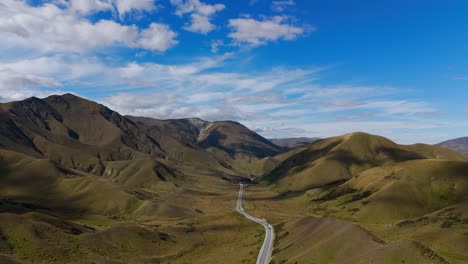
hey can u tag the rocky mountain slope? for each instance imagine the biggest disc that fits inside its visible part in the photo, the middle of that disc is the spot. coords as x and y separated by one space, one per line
83 135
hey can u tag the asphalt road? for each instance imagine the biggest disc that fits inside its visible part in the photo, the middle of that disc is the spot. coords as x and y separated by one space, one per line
264 255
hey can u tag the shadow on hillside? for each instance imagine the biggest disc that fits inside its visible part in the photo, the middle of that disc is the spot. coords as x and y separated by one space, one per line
455 168
34 192
300 160
216 227
292 194
347 158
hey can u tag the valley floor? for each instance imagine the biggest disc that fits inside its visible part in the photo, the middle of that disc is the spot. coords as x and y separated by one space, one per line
308 235
306 232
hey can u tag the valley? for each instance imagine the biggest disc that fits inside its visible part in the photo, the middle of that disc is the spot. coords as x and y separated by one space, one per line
81 183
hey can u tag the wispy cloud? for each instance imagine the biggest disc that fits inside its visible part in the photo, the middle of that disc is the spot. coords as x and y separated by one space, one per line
57 46
460 78
122 7
259 32
281 5
282 101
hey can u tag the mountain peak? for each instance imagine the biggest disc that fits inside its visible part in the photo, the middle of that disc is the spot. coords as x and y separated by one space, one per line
198 122
68 97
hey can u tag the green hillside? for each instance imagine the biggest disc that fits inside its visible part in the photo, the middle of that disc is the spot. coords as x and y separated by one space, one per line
80 183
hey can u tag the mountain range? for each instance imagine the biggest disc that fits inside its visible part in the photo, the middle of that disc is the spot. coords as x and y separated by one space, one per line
293 142
81 183
458 144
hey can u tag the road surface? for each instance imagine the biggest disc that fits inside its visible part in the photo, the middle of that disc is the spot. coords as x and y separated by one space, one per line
264 255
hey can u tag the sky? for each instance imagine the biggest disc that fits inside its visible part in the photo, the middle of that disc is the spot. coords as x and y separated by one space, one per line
283 68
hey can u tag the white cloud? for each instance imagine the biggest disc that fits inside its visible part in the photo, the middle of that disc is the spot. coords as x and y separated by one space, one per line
281 5
89 6
122 7
200 14
196 6
17 86
12 80
203 88
259 32
401 107
131 102
48 28
158 37
206 97
126 6
200 24
165 105
215 45
66 69
391 107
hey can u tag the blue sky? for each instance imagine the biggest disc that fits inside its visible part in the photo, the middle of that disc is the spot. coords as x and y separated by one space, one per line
284 68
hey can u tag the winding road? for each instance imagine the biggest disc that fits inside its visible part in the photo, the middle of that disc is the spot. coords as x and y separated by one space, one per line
264 255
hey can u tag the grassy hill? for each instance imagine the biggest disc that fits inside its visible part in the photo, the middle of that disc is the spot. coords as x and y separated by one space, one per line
325 244
337 159
80 183
139 211
394 200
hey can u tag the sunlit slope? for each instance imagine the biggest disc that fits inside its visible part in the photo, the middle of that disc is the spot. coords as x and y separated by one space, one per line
368 178
444 231
340 158
39 238
389 193
326 240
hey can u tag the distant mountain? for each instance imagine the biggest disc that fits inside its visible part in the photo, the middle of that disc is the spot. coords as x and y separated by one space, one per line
226 143
458 144
293 142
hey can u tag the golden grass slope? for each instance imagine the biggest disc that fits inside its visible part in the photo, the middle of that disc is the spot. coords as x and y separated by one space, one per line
339 158
325 240
360 198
